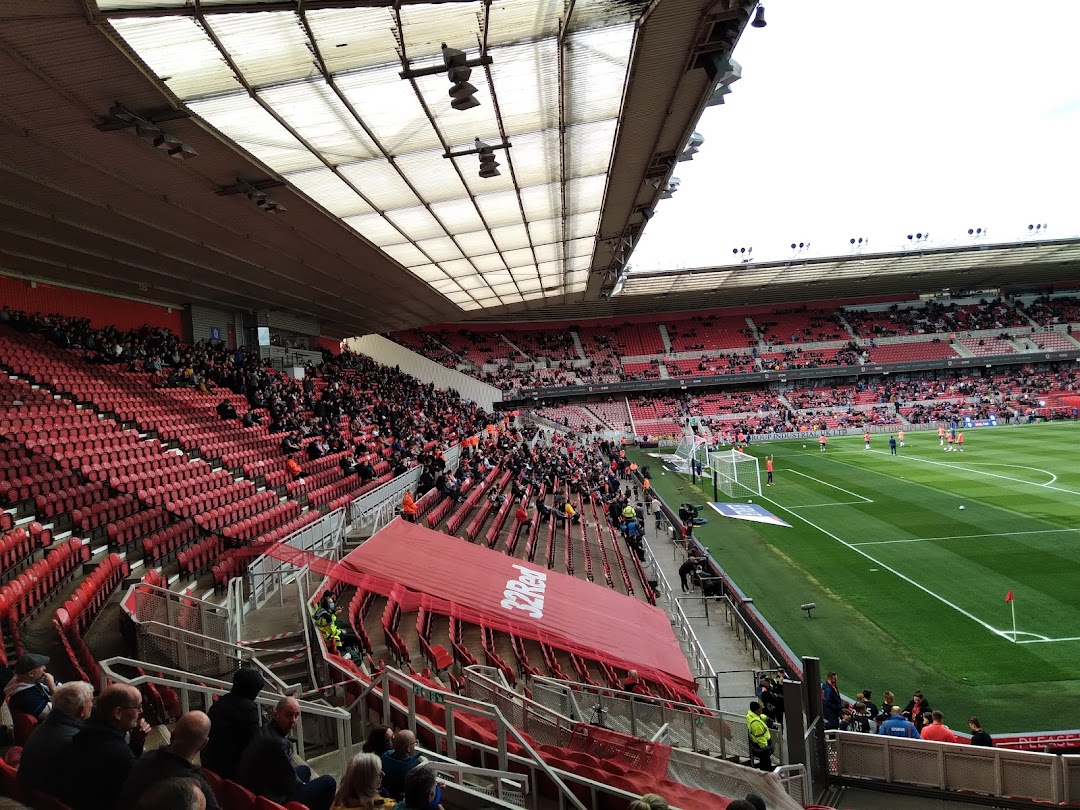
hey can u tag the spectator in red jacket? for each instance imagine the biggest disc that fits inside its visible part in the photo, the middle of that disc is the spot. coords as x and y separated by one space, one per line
937 731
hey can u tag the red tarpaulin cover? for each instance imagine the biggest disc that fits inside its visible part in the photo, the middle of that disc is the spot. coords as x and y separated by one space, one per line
424 568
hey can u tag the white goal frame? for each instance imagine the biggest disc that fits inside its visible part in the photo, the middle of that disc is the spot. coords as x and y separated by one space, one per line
690 448
736 473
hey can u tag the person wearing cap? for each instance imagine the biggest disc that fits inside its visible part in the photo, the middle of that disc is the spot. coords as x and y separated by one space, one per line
234 719
31 689
757 727
48 744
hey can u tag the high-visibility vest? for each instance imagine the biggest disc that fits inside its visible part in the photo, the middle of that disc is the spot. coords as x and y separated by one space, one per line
758 730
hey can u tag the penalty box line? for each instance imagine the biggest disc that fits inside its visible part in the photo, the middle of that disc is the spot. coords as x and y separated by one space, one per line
861 498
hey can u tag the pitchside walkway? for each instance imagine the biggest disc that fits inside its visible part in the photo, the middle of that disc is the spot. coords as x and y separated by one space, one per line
729 656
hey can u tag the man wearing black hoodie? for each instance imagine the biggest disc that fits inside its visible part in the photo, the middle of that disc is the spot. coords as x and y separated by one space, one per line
103 753
234 720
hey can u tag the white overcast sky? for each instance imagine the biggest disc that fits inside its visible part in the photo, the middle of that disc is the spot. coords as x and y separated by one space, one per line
879 118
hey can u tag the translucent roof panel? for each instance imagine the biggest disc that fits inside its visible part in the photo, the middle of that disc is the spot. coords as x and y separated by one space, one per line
317 97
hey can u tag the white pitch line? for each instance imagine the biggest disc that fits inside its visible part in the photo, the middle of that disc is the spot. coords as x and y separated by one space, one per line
1002 633
831 503
963 537
834 486
981 472
1045 640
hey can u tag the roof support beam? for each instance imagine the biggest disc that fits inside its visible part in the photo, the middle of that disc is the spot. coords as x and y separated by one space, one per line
251 8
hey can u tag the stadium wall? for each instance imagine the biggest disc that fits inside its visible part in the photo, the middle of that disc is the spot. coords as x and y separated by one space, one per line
102 310
208 323
393 354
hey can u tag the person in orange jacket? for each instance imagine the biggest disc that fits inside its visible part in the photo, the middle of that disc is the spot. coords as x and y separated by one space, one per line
409 508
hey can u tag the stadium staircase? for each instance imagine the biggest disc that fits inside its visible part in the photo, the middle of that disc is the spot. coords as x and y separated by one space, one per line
665 337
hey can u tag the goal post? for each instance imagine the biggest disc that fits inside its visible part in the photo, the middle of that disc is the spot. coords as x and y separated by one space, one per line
690 449
736 473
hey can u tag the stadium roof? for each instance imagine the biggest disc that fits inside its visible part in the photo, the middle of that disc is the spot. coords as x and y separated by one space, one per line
304 100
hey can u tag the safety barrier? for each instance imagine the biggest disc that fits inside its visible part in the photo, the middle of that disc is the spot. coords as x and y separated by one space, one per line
321 725
268 575
944 769
151 603
716 734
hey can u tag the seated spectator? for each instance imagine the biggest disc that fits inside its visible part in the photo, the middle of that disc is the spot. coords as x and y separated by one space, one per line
569 513
174 761
291 444
365 471
398 761
315 450
234 719
521 515
379 740
359 789
31 688
633 683
48 744
649 801
104 752
251 418
266 767
226 410
348 465
294 468
421 790
425 482
177 793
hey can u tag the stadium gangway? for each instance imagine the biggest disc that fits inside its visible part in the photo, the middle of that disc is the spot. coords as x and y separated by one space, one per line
333 724
692 648
691 726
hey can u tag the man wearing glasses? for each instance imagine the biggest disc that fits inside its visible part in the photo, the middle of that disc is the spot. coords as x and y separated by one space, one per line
103 753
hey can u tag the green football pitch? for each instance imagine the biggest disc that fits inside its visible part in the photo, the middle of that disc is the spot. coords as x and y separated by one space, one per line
910 588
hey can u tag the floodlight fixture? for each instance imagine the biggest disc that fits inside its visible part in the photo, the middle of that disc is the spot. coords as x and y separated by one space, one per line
759 17
919 237
174 147
692 147
670 189
1037 230
858 243
462 93
976 233
489 167
743 253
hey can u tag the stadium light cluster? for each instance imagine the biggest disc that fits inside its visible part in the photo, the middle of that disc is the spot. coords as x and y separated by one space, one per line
458 71
145 126
256 192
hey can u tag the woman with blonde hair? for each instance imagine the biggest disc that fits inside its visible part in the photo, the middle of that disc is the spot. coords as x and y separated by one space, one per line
359 788
650 801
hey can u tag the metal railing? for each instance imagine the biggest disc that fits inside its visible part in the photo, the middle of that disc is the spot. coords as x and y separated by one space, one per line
332 725
164 645
268 575
383 686
706 772
153 603
944 769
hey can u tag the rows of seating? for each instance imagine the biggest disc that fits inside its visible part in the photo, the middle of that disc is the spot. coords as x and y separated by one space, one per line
715 334
17 548
36 585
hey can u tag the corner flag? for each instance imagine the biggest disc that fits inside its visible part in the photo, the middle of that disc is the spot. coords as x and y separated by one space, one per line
1011 603
1009 596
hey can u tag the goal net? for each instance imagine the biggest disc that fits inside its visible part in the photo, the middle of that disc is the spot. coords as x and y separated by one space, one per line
689 449
736 473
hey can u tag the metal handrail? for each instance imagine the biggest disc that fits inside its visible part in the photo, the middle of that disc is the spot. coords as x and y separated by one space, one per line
449 701
244 654
215 687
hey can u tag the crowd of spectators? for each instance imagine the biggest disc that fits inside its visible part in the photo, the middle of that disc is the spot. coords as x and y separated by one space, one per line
776 341
323 413
915 719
